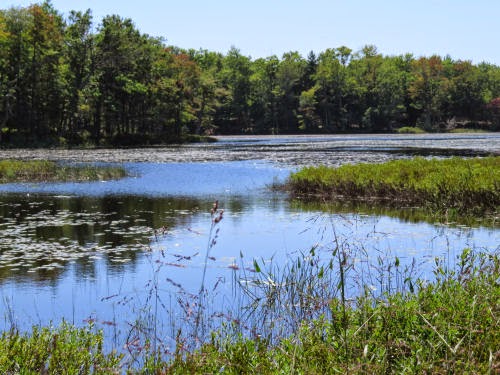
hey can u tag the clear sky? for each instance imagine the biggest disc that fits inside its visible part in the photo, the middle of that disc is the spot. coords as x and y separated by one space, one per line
463 29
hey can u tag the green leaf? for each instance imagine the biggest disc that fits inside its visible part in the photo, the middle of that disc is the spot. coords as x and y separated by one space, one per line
256 266
321 272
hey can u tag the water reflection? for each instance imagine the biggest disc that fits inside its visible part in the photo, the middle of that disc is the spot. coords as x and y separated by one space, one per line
407 214
41 234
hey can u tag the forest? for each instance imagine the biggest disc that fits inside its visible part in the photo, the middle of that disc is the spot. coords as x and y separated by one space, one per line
66 81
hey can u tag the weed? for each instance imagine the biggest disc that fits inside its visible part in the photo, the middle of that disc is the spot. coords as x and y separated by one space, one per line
448 326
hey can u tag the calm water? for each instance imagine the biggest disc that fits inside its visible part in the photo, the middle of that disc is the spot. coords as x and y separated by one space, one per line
76 251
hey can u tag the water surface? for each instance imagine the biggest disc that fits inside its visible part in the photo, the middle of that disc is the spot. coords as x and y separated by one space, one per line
76 251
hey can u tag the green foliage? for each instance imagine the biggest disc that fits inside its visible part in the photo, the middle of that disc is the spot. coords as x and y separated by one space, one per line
62 83
410 130
61 350
45 171
462 184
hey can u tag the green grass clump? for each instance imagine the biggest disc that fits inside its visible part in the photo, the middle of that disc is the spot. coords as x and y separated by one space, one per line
48 171
62 350
410 130
442 184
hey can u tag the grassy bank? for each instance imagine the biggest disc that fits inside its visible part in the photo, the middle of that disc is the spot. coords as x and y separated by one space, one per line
462 184
48 171
448 326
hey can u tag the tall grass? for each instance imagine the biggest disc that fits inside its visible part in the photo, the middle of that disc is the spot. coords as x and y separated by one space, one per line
57 350
448 326
170 322
319 314
48 171
458 184
467 130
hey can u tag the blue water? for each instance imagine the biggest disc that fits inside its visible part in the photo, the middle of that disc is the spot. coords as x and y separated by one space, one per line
80 251
202 179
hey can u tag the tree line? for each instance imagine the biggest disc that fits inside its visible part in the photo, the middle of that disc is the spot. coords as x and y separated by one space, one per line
66 81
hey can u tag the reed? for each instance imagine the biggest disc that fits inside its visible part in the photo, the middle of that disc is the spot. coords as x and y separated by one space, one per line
467 130
448 326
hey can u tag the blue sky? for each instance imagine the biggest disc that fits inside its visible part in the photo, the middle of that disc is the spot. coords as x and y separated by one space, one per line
463 29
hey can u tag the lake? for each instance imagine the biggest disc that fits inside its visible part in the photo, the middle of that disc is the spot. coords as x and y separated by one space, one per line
98 251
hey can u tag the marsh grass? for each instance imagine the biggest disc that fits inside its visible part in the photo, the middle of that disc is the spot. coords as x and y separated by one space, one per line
57 350
169 319
467 130
48 171
463 185
450 325
320 314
